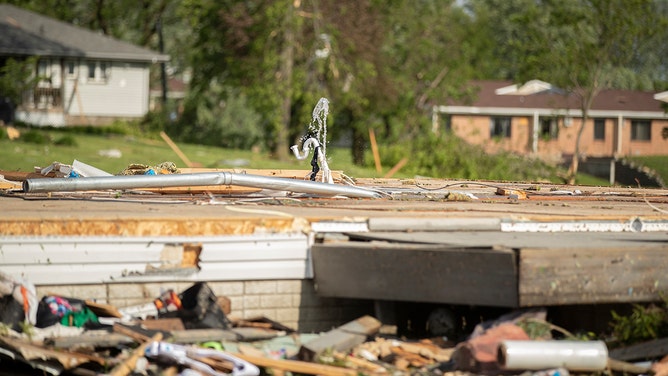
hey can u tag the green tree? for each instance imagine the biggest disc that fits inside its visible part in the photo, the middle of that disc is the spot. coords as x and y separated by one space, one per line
16 77
582 46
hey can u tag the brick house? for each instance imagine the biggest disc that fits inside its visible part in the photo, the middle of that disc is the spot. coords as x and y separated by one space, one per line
538 119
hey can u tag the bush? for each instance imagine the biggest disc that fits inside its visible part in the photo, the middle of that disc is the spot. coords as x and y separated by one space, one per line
221 116
35 137
447 156
66 140
644 323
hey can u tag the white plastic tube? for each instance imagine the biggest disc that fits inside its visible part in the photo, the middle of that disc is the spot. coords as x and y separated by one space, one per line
537 355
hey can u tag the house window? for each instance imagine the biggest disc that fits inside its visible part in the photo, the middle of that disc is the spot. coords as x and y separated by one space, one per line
548 128
641 130
97 71
71 68
599 129
499 126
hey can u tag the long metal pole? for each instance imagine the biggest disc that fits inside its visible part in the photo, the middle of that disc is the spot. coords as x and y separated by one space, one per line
195 179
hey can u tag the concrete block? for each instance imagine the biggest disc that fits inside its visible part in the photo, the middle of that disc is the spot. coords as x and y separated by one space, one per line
263 312
284 315
289 287
92 292
276 301
342 338
251 302
229 289
259 287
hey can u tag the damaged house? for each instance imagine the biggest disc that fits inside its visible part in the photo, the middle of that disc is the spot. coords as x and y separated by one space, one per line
85 77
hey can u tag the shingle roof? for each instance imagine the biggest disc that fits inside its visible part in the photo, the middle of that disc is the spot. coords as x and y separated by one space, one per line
24 33
606 100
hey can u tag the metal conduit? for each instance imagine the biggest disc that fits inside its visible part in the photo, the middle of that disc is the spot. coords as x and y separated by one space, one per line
195 179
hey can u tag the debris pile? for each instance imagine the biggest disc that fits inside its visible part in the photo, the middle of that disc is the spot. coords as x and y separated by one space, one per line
190 333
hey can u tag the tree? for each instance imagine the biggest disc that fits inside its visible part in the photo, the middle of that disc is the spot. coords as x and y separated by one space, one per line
582 46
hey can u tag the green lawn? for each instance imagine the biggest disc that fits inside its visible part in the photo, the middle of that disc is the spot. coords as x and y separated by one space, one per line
658 163
18 155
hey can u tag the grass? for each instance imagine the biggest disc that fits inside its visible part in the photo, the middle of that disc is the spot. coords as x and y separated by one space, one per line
658 163
41 147
19 155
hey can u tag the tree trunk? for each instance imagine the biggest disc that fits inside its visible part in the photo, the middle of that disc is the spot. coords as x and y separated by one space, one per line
358 146
575 163
282 147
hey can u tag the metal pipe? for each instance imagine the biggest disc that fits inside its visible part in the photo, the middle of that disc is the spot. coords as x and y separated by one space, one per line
195 179
537 355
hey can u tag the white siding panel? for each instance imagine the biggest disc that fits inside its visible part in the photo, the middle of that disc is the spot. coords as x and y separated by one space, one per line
86 253
246 271
73 273
124 94
83 260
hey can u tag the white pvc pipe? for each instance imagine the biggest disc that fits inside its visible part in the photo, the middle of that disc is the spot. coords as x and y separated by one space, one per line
196 179
538 355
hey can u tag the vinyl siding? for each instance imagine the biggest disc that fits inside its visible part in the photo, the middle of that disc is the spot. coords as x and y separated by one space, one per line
123 94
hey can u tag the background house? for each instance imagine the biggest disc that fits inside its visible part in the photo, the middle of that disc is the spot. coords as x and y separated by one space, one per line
89 78
538 119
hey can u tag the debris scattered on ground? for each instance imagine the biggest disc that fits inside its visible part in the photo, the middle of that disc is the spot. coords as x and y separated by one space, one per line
189 332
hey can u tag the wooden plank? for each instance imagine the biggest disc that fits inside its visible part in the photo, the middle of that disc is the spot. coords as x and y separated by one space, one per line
203 335
560 276
409 272
90 339
176 149
296 366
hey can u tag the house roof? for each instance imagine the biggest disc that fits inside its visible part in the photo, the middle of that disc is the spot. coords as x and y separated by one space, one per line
25 33
506 97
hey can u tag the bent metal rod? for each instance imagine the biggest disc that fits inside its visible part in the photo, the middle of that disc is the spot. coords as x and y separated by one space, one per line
194 179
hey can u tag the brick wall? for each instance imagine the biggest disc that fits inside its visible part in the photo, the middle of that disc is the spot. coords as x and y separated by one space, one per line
293 303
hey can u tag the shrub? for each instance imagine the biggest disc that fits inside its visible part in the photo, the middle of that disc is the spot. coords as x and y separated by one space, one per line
644 323
447 156
66 140
35 137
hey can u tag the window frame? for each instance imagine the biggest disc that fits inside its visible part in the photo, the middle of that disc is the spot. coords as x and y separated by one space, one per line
97 71
599 129
500 126
548 128
637 125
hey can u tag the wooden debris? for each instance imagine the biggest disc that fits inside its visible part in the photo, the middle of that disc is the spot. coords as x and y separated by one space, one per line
641 351
511 193
129 364
166 324
30 352
103 310
342 338
202 335
360 364
296 366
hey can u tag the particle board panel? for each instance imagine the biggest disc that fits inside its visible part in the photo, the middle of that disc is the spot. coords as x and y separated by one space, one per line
590 275
130 225
421 273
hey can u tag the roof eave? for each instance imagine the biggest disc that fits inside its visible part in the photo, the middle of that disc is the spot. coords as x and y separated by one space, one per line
157 58
519 111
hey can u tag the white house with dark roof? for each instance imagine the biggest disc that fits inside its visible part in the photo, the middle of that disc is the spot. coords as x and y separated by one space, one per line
90 78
